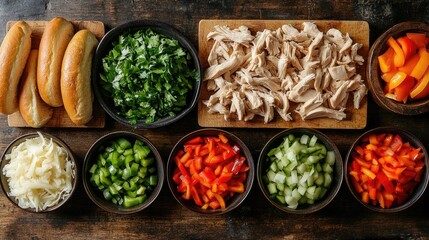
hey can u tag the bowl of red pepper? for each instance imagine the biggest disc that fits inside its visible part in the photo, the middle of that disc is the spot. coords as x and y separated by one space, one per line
123 172
398 69
210 171
386 169
300 170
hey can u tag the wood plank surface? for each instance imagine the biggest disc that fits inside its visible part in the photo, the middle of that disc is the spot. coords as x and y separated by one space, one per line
60 117
355 119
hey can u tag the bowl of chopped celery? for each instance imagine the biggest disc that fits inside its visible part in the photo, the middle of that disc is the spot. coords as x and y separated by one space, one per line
300 170
123 172
386 169
210 171
146 74
39 173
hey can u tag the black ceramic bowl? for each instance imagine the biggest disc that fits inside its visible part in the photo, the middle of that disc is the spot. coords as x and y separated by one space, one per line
373 73
264 164
105 46
4 161
96 195
407 137
231 203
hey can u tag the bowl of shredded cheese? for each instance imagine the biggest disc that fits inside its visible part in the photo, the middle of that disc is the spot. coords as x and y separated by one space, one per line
38 172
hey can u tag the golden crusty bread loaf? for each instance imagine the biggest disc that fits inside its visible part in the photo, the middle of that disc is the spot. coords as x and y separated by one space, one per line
53 44
14 52
33 109
76 77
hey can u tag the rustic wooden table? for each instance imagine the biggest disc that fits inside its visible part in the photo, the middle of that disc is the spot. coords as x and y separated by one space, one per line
344 218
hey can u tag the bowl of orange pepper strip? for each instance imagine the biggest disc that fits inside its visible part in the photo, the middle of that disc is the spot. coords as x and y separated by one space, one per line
398 69
387 169
210 171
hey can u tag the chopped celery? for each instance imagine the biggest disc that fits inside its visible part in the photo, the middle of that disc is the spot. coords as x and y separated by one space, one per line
300 170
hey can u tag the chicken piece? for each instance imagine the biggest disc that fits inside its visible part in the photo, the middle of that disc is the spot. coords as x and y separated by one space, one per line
281 104
218 108
289 32
253 100
311 29
271 84
315 43
273 45
282 65
339 95
302 98
338 72
237 105
289 52
215 71
326 52
241 35
269 111
324 112
358 95
318 80
311 104
287 83
354 55
304 84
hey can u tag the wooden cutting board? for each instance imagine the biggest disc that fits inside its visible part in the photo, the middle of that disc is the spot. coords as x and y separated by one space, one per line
60 117
356 118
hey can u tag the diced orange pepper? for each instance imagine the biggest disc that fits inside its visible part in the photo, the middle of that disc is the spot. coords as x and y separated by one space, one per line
365 197
380 200
385 61
223 138
398 58
368 172
421 66
220 199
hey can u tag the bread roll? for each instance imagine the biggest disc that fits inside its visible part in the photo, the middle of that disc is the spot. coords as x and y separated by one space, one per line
76 77
14 52
53 44
33 109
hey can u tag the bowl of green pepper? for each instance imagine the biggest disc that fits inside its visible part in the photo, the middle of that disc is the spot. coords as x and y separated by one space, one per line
123 172
146 74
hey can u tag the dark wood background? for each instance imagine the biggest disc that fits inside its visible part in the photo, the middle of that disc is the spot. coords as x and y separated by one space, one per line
344 218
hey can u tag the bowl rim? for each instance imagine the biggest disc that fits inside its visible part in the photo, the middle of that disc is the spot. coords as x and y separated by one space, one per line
91 191
373 78
239 198
420 189
338 172
159 27
71 157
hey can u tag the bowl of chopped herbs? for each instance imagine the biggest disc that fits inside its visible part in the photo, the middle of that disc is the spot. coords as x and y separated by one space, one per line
123 172
146 74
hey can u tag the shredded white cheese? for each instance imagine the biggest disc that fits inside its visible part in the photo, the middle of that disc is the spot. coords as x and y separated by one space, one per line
40 173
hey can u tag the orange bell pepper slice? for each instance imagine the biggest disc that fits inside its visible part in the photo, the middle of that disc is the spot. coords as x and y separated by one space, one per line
399 58
396 80
388 75
421 89
386 60
418 38
408 47
403 90
421 65
410 64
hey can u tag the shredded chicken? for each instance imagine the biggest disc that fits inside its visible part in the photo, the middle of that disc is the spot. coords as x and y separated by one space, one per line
259 75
